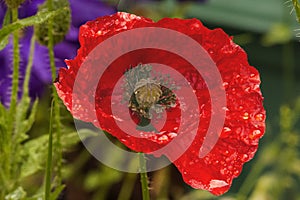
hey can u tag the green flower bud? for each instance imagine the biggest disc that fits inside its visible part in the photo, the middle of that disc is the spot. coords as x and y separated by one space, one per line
61 23
13 3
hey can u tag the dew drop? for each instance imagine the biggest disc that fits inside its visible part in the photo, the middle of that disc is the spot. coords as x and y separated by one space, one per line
172 134
244 158
236 172
207 160
225 85
259 117
225 108
255 134
216 162
246 116
227 129
163 138
226 132
240 107
224 171
233 91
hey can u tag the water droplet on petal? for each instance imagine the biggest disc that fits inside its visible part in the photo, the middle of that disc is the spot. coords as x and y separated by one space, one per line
163 138
216 162
255 134
226 152
226 132
240 107
172 135
224 171
259 117
244 158
207 160
246 116
236 172
225 85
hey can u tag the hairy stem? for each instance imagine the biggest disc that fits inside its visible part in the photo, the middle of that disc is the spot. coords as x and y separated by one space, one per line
16 61
144 177
9 161
28 67
54 93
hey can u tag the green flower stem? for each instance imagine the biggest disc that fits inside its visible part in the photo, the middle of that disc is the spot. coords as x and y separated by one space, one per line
250 180
288 63
16 61
297 9
49 156
55 96
144 178
25 100
127 186
29 67
9 157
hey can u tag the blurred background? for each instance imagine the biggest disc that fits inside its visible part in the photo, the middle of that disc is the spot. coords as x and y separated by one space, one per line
268 31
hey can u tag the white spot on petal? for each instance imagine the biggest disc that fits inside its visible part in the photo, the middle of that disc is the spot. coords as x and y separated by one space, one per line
217 184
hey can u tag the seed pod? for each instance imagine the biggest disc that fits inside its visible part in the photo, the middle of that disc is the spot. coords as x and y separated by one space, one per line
147 93
60 27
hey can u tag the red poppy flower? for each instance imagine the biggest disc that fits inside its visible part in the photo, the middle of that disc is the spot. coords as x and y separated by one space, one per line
174 102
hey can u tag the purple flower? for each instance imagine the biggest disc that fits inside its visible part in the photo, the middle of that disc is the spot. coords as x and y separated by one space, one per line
82 11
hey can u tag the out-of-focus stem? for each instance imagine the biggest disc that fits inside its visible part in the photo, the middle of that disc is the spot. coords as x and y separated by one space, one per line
288 70
127 187
49 156
144 177
297 9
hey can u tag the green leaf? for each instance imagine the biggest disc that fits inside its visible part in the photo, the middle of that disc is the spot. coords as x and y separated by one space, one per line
23 125
54 195
30 21
6 21
279 33
35 151
7 18
72 138
4 42
3 127
18 194
101 178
